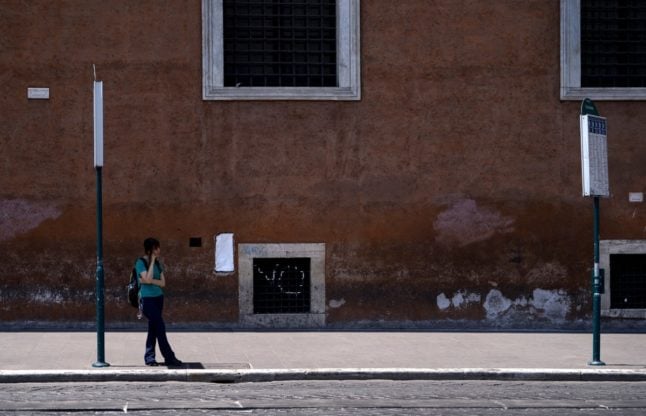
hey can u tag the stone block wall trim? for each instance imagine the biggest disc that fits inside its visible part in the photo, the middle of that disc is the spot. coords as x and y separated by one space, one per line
606 248
314 319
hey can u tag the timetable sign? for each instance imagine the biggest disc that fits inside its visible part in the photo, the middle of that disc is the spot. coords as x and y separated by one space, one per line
594 155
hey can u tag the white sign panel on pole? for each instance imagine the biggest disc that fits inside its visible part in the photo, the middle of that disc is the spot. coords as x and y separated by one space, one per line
98 124
594 156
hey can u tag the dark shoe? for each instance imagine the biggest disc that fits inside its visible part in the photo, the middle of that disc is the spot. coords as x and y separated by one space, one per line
152 364
174 363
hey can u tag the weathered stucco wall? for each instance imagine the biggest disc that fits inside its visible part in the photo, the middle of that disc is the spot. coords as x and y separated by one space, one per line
449 193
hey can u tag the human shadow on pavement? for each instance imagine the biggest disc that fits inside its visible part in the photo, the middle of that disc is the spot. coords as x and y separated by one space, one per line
192 366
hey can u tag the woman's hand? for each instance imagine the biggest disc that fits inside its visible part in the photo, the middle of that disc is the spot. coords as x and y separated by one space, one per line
147 278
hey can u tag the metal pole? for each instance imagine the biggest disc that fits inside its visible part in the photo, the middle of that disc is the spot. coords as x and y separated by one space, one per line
98 164
596 293
100 317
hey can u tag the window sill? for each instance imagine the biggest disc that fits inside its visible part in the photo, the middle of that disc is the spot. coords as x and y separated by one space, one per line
603 94
285 93
624 313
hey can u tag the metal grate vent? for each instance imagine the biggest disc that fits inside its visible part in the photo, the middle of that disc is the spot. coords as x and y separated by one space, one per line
281 285
628 281
280 43
613 43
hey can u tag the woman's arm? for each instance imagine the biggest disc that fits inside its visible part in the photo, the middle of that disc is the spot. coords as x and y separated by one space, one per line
146 277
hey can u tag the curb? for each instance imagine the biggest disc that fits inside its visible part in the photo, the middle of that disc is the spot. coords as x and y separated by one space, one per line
338 374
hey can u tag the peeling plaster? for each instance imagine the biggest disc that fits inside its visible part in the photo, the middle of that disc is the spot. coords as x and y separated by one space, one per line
45 296
496 304
19 216
551 304
465 223
460 299
457 299
555 304
548 305
336 303
442 301
521 301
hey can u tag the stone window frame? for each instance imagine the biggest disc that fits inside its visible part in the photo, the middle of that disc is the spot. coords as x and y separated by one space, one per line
571 62
315 318
348 61
606 248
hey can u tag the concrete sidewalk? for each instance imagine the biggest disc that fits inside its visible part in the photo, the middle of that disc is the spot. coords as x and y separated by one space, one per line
262 356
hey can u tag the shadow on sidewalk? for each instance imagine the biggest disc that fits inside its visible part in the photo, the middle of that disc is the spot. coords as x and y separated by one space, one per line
193 366
626 365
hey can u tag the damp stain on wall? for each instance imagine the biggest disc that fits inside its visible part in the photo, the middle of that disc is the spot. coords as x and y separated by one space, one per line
19 216
464 222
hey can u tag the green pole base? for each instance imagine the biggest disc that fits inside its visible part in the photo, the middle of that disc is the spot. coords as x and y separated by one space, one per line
596 363
100 364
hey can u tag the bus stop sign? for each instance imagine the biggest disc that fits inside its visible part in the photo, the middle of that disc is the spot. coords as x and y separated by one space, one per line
594 151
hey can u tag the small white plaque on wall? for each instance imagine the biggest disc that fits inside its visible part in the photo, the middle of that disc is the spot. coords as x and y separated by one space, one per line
636 197
38 93
224 253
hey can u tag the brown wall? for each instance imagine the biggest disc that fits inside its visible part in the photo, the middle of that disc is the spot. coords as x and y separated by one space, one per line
458 173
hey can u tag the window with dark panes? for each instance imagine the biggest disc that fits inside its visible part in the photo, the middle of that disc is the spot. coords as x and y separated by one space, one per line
280 43
613 43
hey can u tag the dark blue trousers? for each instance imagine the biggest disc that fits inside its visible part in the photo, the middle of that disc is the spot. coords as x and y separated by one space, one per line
152 308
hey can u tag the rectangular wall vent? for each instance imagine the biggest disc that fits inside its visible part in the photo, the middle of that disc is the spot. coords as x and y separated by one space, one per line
628 283
281 285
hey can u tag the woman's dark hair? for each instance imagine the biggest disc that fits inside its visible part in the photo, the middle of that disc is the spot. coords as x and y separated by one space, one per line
150 244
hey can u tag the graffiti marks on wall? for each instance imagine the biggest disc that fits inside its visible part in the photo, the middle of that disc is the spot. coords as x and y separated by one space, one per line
281 285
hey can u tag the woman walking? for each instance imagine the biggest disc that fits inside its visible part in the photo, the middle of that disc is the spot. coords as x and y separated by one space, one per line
151 301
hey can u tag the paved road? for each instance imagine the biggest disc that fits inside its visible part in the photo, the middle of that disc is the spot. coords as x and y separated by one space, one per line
328 398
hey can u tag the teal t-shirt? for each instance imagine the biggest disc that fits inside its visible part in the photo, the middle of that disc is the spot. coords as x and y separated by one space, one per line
148 290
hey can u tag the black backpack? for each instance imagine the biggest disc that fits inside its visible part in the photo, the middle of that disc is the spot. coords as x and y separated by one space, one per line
133 287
